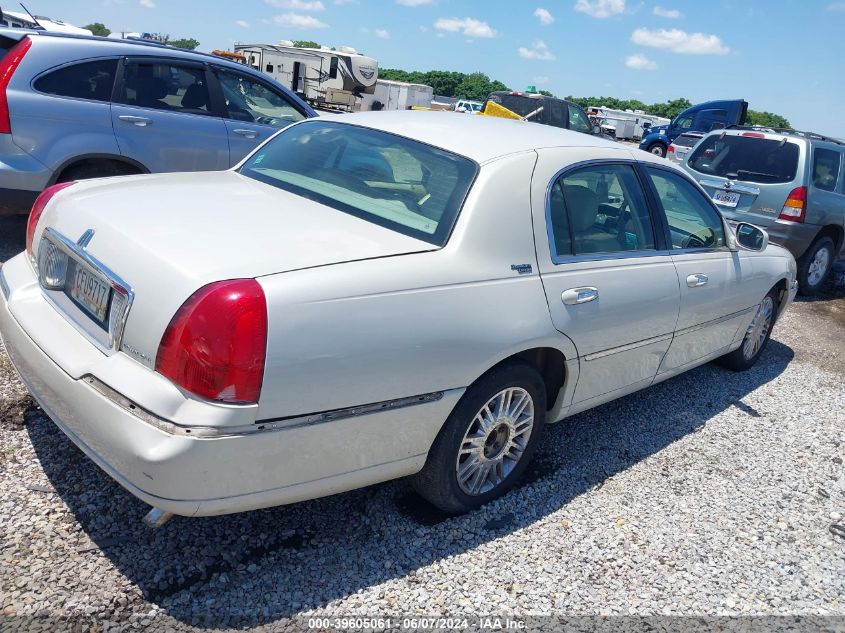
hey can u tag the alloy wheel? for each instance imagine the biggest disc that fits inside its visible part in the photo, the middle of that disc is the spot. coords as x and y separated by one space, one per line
495 441
819 267
757 331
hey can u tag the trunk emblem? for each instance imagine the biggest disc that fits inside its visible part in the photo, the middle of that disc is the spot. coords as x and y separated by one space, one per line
85 239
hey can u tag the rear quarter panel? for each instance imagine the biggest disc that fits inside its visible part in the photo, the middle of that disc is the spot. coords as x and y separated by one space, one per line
380 329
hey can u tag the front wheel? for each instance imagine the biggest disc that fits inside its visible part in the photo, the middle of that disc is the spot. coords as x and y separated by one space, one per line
487 441
658 149
756 336
815 266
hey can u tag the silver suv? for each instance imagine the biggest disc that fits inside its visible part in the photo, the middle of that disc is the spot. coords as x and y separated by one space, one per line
74 107
790 183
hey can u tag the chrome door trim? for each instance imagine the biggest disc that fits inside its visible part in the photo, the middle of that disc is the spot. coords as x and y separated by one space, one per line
734 186
697 280
577 296
628 347
727 317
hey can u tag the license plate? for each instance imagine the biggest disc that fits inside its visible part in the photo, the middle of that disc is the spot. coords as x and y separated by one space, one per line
90 292
726 198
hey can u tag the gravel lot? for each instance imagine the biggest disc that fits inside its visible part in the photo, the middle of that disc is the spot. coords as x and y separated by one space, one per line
710 494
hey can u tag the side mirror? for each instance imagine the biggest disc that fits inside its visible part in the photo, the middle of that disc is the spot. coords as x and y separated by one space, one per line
596 129
750 237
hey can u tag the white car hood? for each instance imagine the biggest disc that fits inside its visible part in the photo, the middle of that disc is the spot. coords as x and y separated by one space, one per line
167 235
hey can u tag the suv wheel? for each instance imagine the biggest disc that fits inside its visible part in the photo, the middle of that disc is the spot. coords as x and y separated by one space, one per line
487 441
105 169
658 149
815 265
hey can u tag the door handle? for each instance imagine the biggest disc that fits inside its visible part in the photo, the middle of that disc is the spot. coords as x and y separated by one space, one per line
575 296
696 280
140 121
246 133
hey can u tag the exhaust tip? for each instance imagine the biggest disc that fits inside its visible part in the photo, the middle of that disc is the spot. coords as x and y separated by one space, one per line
157 517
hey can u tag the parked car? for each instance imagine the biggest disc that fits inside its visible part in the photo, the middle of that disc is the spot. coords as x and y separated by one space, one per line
539 108
701 117
466 106
368 297
790 183
75 107
680 147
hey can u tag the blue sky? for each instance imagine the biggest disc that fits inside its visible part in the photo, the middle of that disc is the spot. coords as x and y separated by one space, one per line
781 55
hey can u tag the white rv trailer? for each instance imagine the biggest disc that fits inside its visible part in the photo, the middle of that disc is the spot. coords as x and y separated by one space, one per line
15 19
628 124
397 95
321 76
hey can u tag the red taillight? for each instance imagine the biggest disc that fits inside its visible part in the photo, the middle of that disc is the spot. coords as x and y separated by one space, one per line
670 149
754 134
8 65
795 207
216 342
38 208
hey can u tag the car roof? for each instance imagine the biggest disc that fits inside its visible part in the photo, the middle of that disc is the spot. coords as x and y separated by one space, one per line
481 138
777 134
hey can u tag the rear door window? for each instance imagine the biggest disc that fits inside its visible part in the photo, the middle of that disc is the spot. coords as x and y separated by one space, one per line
693 222
89 80
164 86
746 158
578 121
826 168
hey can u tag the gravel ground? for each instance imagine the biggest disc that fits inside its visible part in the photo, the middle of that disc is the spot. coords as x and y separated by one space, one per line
710 494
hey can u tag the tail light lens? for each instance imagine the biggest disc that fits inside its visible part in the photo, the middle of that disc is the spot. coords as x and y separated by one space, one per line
795 207
38 208
216 343
8 65
670 149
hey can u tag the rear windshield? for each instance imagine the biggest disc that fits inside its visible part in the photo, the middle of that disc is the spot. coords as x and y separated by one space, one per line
746 158
518 104
392 181
686 141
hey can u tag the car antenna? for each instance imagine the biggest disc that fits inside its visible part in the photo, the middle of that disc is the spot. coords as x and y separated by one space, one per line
37 23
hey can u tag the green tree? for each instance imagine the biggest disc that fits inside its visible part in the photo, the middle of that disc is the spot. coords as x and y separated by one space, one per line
305 44
546 93
98 28
766 119
186 43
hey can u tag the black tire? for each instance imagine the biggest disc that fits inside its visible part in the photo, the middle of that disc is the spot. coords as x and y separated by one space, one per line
96 170
807 266
658 149
438 480
740 359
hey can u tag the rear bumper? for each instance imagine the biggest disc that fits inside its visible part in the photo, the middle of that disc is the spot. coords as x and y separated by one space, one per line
212 475
22 177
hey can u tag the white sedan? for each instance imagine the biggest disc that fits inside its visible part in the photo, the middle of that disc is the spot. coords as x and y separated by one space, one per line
371 297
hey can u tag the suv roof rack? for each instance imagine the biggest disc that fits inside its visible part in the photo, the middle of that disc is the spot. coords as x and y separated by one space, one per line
786 130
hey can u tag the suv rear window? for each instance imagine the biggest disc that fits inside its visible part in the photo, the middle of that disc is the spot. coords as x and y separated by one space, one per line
519 104
89 80
685 140
389 180
746 158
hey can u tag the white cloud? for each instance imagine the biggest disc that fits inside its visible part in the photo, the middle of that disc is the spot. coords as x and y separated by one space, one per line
640 62
663 12
242 23
149 4
382 33
299 21
679 41
600 8
413 3
836 6
544 16
538 50
297 5
468 26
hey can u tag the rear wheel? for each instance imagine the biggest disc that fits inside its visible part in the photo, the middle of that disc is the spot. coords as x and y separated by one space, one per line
99 169
658 149
487 441
815 265
756 336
